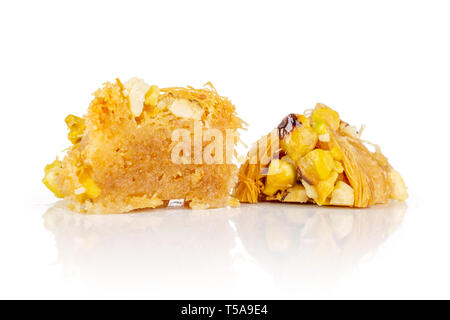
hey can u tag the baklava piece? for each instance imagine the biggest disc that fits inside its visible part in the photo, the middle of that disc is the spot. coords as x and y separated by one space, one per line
126 151
317 158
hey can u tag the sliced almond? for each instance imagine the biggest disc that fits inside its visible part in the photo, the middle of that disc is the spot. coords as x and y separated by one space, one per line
342 195
136 89
311 190
184 108
296 194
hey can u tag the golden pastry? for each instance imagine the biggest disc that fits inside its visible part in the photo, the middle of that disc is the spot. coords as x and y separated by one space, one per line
123 151
317 158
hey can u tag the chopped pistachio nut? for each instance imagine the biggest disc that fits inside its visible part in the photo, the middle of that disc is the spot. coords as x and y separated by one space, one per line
92 189
76 126
299 142
324 114
50 178
320 127
281 176
296 135
316 165
336 153
151 97
325 188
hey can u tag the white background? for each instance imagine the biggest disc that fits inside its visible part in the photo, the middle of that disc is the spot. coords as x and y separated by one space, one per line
384 64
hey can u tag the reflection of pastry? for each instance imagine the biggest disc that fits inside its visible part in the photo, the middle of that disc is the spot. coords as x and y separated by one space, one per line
299 246
317 158
164 247
174 250
124 154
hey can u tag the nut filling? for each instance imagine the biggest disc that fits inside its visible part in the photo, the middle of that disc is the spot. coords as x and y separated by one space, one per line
319 161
